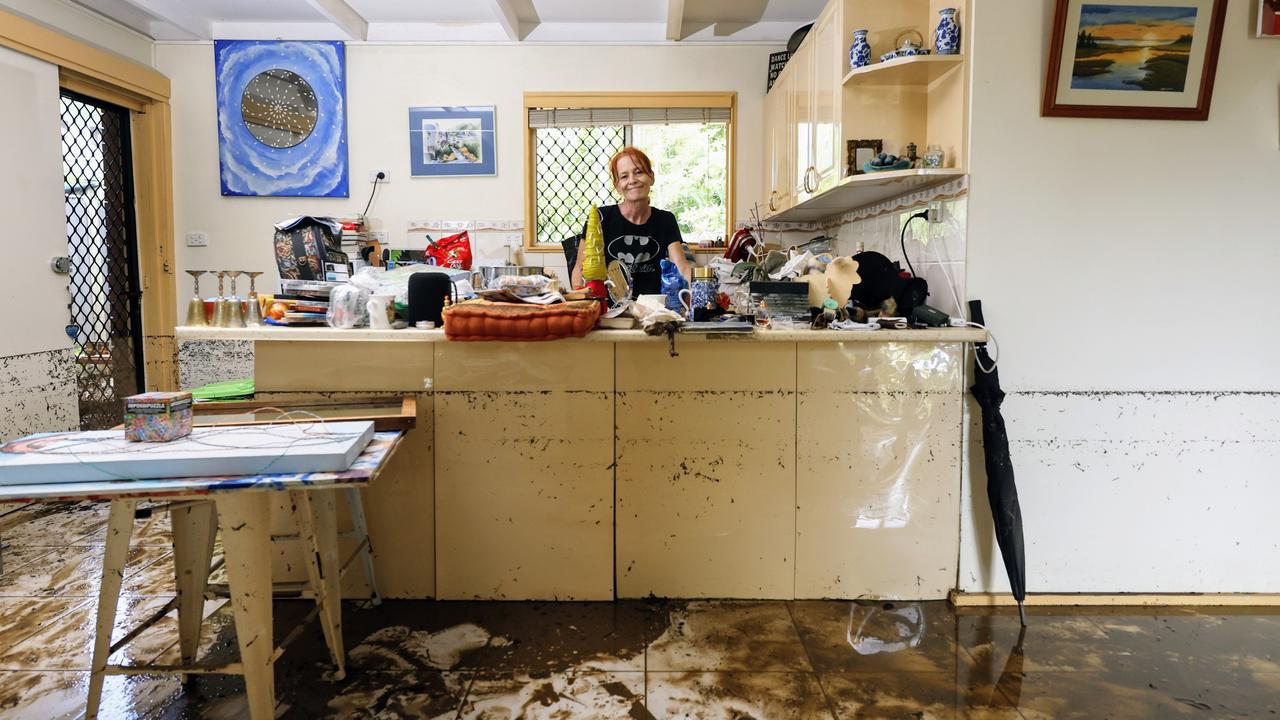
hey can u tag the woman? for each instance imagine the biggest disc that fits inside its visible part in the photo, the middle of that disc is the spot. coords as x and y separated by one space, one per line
635 233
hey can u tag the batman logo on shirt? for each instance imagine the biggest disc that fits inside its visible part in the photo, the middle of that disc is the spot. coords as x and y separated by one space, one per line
634 249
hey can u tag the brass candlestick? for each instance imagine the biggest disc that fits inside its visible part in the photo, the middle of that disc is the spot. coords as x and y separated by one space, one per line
235 317
253 316
195 307
220 306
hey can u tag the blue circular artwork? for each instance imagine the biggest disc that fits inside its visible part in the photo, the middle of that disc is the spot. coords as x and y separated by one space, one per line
282 118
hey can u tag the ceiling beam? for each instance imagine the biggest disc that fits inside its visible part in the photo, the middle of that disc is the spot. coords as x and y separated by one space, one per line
178 14
507 18
675 19
344 16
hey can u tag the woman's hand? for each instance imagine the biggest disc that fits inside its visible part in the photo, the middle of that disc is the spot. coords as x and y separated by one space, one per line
575 272
675 253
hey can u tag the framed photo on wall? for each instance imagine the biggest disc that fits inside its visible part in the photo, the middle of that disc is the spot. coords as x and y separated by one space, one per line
1146 59
452 141
1268 18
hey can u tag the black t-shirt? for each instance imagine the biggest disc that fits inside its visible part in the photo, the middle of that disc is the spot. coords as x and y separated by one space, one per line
639 247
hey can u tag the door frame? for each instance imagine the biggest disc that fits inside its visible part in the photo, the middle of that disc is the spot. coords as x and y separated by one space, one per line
97 73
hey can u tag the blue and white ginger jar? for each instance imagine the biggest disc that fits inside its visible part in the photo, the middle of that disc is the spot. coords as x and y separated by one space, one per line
860 50
946 38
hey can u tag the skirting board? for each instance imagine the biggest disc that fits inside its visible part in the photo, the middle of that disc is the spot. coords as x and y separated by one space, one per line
984 600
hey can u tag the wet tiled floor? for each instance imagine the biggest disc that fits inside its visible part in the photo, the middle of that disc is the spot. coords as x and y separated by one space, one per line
631 660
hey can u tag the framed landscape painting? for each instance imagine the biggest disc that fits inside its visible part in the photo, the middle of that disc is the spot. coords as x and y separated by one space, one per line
1147 59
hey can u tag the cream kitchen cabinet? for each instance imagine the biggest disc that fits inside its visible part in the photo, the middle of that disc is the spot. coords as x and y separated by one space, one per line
777 163
817 103
802 118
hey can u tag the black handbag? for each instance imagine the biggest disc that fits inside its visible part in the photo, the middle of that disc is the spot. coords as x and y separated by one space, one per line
427 291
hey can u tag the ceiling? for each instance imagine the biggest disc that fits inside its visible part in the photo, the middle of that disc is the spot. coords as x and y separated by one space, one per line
533 21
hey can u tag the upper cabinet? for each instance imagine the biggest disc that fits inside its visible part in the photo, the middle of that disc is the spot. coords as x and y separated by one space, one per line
827 167
818 104
799 73
777 162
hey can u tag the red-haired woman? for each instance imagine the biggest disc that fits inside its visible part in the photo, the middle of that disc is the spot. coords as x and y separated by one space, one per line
635 233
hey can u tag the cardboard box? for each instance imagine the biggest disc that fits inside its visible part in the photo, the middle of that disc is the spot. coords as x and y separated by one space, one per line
157 416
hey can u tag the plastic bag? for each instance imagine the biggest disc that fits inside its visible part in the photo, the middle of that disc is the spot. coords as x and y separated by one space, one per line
368 278
451 252
524 285
347 307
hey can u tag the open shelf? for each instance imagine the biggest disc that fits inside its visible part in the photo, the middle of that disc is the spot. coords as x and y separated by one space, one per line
859 191
915 70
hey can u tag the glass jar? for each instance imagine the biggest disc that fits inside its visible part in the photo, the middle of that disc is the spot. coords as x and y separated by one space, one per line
934 157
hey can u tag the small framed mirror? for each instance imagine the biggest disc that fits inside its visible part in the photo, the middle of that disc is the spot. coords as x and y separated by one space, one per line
862 152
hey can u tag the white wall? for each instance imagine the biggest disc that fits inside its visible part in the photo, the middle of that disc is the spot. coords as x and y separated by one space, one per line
74 20
383 81
1128 269
34 349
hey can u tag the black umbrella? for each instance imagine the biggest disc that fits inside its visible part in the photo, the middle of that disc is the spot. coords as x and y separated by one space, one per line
1002 492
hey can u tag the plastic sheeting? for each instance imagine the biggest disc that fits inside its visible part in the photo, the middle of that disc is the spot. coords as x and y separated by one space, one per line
897 402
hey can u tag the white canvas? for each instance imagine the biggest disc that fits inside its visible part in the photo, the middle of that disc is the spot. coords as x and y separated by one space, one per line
101 455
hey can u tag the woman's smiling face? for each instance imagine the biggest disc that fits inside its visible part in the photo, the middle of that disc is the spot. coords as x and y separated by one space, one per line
633 182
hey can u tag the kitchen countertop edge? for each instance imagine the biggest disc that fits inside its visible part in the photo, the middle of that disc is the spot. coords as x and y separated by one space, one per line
325 334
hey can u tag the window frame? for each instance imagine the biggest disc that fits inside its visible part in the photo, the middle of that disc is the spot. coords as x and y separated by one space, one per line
626 100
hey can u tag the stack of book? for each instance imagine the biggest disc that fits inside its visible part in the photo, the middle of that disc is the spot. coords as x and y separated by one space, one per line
305 302
355 237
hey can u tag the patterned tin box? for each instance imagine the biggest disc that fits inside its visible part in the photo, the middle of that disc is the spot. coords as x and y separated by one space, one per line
157 416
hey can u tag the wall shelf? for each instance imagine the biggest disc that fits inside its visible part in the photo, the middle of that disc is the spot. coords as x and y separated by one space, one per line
917 70
859 191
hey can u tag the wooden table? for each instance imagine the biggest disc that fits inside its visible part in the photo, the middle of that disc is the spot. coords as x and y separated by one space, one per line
198 506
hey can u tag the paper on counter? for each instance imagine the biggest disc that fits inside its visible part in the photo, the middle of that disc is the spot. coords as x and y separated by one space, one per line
852 325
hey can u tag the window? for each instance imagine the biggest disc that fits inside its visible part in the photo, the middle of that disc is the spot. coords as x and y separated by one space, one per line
689 138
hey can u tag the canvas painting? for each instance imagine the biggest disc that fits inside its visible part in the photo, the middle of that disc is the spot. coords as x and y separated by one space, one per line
282 118
450 141
1138 48
1140 58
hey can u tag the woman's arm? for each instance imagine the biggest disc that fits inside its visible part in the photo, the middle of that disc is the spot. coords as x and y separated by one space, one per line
575 272
675 253
675 249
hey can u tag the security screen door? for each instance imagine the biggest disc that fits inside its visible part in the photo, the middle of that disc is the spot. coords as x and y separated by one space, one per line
105 313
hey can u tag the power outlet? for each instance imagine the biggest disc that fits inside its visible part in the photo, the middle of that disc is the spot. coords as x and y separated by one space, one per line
935 212
386 176
378 236
197 239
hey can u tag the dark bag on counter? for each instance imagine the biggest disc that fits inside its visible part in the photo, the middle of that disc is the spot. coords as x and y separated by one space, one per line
427 291
306 248
884 279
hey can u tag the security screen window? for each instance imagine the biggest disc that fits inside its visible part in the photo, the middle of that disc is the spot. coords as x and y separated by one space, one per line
689 146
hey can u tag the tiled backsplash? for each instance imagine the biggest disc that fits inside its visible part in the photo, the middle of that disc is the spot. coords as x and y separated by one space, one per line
937 250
